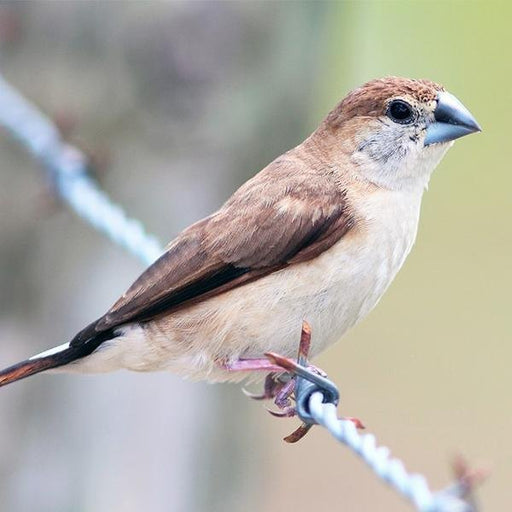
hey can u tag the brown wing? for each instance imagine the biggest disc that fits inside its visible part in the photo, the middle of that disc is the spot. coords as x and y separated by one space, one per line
284 215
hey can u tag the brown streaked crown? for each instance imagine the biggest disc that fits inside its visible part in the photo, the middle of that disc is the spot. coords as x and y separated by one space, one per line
370 99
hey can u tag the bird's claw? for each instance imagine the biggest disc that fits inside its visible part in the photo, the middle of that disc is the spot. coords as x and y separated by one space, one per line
281 387
254 396
276 386
286 412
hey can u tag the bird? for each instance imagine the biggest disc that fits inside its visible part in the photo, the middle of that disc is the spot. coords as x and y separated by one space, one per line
318 235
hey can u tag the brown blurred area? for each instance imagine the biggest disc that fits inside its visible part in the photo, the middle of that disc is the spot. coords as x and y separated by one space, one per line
178 103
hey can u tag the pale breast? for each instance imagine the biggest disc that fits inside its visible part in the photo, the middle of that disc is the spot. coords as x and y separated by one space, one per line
332 292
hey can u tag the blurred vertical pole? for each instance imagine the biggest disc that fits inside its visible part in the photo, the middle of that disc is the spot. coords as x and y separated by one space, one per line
186 96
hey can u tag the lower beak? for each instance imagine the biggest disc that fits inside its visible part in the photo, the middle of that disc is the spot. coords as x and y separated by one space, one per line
452 120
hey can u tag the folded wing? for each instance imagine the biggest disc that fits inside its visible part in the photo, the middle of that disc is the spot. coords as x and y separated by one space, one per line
283 216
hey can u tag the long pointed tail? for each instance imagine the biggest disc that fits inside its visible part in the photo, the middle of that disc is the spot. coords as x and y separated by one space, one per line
25 369
53 358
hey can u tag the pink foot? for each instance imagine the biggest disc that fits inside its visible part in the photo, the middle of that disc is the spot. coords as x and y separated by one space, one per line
261 364
280 383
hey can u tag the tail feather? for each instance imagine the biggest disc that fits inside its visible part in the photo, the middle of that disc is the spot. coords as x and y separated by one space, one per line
53 358
26 369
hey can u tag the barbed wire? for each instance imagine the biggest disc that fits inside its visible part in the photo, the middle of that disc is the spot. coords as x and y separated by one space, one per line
68 171
413 487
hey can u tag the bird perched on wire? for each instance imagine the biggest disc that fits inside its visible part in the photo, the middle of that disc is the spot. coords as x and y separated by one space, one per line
317 235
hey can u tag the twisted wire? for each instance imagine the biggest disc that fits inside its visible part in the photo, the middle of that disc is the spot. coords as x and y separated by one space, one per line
413 487
67 167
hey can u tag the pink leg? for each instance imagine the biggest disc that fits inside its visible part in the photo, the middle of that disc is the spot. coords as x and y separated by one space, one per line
276 384
261 364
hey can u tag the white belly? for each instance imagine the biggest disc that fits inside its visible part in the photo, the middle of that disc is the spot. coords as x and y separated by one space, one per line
332 292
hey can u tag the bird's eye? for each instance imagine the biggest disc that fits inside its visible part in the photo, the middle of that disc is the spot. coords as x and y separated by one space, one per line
401 112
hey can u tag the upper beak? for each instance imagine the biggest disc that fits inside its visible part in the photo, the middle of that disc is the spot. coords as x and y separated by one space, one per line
452 120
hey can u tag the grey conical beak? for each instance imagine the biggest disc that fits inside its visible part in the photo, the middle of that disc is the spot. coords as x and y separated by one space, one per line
452 120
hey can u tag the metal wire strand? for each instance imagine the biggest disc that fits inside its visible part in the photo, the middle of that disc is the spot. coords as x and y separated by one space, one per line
413 487
68 172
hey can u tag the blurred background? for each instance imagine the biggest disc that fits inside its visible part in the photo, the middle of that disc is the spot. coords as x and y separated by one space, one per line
178 103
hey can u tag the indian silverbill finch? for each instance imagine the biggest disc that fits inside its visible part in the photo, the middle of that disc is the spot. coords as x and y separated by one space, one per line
318 235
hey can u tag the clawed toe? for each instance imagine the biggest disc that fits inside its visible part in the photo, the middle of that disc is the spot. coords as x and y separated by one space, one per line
284 394
287 412
282 386
254 396
277 386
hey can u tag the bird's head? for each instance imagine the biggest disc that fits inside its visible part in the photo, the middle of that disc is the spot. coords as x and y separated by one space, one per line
396 130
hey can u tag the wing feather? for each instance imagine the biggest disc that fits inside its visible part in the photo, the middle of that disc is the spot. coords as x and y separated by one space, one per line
262 228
